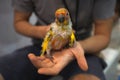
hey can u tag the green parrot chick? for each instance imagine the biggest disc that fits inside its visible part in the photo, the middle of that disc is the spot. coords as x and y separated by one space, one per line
60 33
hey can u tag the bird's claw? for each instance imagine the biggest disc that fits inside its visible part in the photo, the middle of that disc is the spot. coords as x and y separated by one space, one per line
51 58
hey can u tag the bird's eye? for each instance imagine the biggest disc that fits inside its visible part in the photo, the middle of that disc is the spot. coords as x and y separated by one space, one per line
67 14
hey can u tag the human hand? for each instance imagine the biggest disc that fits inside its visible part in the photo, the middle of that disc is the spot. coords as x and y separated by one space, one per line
78 53
61 59
40 61
45 66
43 30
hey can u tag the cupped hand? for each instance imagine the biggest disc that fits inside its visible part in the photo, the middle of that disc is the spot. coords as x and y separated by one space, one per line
40 61
45 66
61 59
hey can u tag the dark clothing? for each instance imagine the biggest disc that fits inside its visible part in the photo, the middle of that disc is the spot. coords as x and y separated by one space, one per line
16 66
83 12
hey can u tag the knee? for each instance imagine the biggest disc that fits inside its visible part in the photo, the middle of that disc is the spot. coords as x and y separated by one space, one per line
84 77
1 77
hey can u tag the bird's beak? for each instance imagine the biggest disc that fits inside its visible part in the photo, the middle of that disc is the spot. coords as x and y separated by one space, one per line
61 18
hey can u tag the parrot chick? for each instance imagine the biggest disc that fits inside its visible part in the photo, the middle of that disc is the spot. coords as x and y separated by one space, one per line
60 33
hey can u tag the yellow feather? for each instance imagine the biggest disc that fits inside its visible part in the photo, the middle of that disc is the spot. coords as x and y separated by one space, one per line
45 42
44 47
72 39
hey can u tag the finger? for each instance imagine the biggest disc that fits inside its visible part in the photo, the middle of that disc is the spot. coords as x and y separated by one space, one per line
41 58
39 62
32 57
47 63
54 70
79 55
46 71
49 71
82 62
34 60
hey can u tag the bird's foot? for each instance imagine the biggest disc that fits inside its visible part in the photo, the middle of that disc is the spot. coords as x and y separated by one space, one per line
51 58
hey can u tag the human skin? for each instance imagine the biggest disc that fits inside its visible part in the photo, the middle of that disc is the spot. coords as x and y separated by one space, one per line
101 33
92 45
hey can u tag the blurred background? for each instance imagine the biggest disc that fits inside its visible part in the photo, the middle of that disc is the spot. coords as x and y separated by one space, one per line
10 40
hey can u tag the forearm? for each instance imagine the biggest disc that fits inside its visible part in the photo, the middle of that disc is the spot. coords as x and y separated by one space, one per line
25 28
101 38
94 44
22 25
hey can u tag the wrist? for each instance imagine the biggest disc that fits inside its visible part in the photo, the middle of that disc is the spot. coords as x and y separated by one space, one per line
81 43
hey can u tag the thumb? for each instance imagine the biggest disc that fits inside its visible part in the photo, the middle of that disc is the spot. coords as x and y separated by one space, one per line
81 61
78 52
49 71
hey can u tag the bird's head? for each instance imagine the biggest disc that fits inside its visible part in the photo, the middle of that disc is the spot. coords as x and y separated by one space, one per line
62 16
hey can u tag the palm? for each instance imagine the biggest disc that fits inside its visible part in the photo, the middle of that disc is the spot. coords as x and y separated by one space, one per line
61 59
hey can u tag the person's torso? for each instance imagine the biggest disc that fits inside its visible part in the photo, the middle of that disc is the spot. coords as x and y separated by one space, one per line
80 11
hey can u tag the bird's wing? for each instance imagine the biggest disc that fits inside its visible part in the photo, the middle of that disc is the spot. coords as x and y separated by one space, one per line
46 41
72 39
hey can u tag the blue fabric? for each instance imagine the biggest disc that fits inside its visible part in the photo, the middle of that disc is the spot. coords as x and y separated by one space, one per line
16 66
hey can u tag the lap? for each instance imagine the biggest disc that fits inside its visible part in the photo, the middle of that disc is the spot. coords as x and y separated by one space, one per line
96 66
16 66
